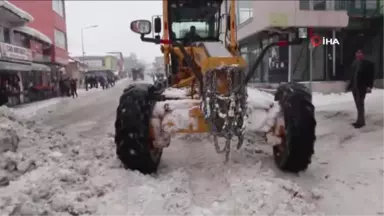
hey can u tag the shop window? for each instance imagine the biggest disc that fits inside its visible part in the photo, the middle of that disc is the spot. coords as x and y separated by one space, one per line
58 7
27 79
60 39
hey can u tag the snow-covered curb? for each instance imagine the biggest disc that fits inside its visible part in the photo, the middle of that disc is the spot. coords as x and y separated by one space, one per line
320 99
34 108
46 172
39 107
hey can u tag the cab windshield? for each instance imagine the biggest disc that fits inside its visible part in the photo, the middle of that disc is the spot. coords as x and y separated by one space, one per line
204 22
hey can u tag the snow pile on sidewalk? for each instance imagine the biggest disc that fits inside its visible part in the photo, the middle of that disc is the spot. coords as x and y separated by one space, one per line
33 169
34 108
44 172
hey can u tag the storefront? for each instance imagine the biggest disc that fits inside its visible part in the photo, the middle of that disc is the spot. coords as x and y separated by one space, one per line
278 62
15 61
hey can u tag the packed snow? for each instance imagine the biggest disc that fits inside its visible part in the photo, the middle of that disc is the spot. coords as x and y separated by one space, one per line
62 162
176 93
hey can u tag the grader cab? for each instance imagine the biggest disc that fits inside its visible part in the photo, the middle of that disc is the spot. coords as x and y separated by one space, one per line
206 92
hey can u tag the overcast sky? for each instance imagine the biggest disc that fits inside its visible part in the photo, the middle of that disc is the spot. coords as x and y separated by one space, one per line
113 33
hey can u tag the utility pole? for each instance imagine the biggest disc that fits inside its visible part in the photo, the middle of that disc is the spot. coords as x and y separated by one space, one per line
82 43
310 65
82 38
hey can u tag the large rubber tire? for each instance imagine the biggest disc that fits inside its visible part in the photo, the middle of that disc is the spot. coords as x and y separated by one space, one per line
134 145
300 126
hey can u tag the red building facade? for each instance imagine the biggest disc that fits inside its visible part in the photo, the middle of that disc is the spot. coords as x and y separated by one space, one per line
33 49
49 19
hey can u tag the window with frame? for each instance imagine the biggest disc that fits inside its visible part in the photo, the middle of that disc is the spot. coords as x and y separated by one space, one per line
60 39
371 4
4 35
357 4
320 5
182 19
58 7
245 11
20 39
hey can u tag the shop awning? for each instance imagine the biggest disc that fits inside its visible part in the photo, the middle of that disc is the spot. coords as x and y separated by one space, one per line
33 33
40 67
15 10
11 66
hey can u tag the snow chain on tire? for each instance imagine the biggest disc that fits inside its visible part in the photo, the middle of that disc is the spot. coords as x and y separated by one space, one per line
132 129
299 116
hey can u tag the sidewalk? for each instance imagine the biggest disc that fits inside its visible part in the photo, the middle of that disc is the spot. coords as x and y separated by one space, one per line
31 109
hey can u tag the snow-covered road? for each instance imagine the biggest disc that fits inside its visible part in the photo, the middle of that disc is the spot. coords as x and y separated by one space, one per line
63 163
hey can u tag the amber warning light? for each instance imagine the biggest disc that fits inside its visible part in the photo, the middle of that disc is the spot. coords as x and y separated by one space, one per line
165 41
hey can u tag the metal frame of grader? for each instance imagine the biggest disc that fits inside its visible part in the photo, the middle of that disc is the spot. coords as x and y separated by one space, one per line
220 105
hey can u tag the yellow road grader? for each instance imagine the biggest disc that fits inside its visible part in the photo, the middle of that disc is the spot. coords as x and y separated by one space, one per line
206 92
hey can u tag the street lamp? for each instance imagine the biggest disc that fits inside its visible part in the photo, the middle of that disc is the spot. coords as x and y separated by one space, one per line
82 37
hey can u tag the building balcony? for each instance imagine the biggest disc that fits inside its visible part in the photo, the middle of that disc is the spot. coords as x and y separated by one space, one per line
13 15
33 33
41 58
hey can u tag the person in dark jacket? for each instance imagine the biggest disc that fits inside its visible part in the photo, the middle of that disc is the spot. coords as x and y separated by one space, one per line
73 85
361 83
3 91
102 82
191 36
61 87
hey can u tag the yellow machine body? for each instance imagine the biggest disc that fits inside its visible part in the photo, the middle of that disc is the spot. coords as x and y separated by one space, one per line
184 77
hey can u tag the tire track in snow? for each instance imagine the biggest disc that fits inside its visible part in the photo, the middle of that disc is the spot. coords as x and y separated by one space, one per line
209 185
207 174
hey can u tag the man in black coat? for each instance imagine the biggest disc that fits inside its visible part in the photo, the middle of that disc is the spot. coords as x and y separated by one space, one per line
361 83
73 84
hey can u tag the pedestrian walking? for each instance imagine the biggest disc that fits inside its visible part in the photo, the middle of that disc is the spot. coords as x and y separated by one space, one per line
361 83
74 88
61 87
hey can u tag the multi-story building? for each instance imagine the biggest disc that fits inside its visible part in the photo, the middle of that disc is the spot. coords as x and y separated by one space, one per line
102 64
259 21
49 19
33 47
15 58
120 61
